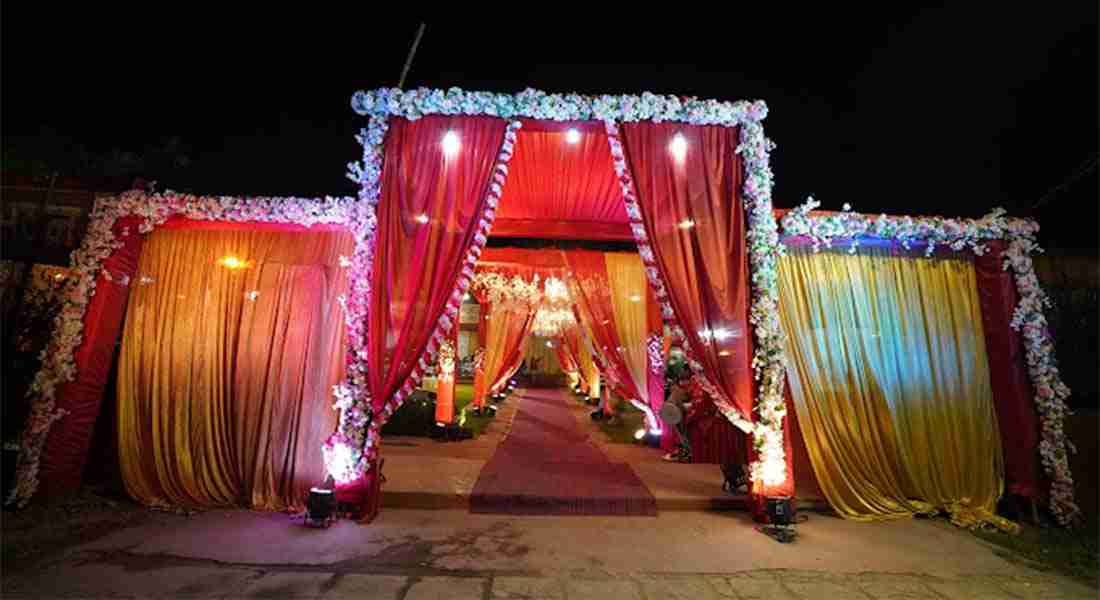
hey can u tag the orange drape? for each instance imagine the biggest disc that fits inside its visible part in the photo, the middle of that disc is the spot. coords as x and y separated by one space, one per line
231 347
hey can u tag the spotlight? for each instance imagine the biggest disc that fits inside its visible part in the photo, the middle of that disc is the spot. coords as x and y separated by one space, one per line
549 344
319 509
780 512
639 435
421 218
635 298
572 136
678 147
451 143
686 224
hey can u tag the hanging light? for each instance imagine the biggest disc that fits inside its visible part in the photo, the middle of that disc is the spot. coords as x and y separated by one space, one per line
635 298
572 136
678 147
451 143
421 218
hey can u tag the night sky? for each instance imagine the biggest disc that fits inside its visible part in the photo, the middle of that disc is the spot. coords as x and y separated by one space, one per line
948 111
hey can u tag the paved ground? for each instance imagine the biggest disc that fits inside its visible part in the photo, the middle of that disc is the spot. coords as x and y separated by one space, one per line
453 554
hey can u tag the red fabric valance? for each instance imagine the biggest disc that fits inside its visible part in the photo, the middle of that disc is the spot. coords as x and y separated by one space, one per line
559 188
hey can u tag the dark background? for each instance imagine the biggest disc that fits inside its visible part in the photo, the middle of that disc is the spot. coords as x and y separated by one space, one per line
942 110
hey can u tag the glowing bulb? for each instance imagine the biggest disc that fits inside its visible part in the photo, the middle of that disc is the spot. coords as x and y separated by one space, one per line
635 298
724 353
572 136
59 276
421 218
549 344
638 435
232 262
451 143
686 224
252 295
678 147
466 296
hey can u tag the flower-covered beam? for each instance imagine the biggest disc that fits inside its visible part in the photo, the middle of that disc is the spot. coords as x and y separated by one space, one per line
1029 318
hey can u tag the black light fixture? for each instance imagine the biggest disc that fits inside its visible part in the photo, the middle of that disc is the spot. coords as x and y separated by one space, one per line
780 511
321 508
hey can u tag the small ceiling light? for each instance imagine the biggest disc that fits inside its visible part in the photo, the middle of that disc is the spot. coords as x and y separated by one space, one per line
686 224
451 143
724 353
252 295
421 218
549 344
635 298
572 136
678 147
466 296
59 276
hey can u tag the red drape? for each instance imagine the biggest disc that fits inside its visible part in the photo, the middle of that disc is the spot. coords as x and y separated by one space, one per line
1012 391
67 445
519 325
428 218
692 213
562 185
565 360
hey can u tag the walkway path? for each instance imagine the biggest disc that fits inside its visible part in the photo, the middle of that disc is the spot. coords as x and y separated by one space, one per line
547 465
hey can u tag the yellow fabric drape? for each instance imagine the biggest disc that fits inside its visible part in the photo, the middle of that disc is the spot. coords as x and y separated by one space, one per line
627 280
505 322
226 374
588 369
889 375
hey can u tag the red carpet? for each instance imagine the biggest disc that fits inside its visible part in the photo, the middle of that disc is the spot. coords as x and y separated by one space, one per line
547 466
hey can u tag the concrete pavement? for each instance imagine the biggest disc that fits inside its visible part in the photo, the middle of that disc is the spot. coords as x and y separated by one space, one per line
454 554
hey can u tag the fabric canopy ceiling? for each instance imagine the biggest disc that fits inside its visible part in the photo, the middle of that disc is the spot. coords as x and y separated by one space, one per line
562 185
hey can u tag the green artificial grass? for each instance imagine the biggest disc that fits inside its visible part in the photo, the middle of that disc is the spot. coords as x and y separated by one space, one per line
416 416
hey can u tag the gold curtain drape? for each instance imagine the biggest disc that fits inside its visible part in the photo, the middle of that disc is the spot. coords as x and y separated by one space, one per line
506 322
627 280
588 369
232 343
889 376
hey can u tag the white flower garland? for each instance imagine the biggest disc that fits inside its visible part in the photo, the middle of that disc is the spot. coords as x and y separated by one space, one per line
762 237
102 240
534 104
1028 318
